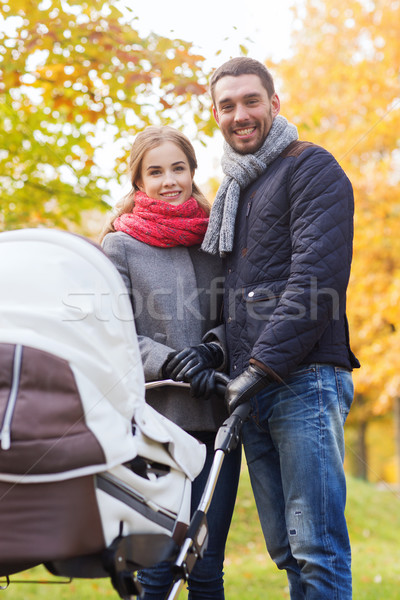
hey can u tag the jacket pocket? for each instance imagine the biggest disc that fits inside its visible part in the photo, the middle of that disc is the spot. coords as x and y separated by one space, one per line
261 302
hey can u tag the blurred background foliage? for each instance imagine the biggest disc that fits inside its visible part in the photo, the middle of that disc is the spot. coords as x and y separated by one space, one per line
75 77
77 82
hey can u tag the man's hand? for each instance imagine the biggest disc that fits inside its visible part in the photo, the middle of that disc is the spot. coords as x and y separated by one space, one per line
245 386
184 365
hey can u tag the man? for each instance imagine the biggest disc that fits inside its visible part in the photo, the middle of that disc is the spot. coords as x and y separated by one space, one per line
283 220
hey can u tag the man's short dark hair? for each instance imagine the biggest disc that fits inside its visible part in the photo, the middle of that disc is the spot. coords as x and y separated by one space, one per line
242 65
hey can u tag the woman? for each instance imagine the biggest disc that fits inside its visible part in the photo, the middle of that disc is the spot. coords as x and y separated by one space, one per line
176 293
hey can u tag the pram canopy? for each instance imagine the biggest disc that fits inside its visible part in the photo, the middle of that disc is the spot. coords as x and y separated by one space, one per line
63 300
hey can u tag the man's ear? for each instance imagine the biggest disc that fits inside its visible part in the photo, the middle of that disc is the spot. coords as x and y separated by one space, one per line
275 105
215 113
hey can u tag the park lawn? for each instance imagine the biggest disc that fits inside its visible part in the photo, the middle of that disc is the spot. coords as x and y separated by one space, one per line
373 515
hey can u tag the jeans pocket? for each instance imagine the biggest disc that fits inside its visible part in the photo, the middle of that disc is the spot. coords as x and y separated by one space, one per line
302 379
345 387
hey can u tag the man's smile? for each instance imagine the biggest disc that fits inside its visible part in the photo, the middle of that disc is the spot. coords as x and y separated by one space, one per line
245 132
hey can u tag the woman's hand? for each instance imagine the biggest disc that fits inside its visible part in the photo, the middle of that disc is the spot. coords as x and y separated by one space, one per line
184 365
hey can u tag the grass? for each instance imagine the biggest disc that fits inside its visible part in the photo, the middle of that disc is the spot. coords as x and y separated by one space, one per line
373 516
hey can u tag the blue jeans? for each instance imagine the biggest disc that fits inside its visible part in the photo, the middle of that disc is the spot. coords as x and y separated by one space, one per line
294 447
206 579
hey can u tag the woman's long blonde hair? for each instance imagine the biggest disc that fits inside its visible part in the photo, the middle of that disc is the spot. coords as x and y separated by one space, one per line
150 138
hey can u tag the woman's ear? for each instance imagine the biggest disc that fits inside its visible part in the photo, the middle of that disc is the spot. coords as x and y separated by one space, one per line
139 185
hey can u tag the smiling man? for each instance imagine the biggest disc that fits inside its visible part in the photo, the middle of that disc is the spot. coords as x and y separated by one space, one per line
283 221
245 111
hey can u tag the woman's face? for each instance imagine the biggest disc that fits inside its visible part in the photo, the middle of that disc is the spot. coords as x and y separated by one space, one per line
166 174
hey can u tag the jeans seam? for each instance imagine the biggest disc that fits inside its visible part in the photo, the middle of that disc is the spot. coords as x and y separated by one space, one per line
326 537
254 412
339 386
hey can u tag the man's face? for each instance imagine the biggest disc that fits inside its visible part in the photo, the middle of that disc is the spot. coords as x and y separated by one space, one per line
244 112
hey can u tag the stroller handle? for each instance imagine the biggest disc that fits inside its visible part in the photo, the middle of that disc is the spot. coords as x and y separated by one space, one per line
220 384
162 382
242 411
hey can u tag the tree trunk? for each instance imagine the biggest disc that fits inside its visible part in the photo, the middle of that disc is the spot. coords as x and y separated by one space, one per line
361 465
397 436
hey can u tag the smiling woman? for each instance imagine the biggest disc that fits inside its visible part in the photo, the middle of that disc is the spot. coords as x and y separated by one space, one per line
176 295
166 174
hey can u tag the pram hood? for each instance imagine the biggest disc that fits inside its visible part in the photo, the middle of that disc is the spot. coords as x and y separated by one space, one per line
61 295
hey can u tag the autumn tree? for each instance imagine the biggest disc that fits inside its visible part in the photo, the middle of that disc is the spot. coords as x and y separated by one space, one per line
341 86
75 76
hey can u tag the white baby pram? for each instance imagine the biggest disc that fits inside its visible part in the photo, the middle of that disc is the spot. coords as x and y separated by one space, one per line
93 482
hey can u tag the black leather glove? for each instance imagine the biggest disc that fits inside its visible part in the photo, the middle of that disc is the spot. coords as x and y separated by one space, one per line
185 364
208 382
164 368
245 386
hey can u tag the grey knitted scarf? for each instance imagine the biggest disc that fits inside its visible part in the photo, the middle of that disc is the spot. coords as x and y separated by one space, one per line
241 170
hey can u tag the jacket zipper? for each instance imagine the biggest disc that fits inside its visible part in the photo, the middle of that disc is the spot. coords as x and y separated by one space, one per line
246 222
5 433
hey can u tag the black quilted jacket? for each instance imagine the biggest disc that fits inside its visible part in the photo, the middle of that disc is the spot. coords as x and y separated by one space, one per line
285 295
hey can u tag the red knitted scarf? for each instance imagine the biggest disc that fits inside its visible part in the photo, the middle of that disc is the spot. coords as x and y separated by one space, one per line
159 223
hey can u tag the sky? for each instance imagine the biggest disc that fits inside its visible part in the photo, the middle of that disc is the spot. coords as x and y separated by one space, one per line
263 26
217 25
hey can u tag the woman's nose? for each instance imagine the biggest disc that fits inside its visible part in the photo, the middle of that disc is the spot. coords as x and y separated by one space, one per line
169 178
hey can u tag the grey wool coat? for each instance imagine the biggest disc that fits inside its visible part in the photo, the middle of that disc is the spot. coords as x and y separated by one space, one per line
176 295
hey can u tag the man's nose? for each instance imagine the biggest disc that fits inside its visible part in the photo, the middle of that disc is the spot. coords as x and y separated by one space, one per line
241 113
